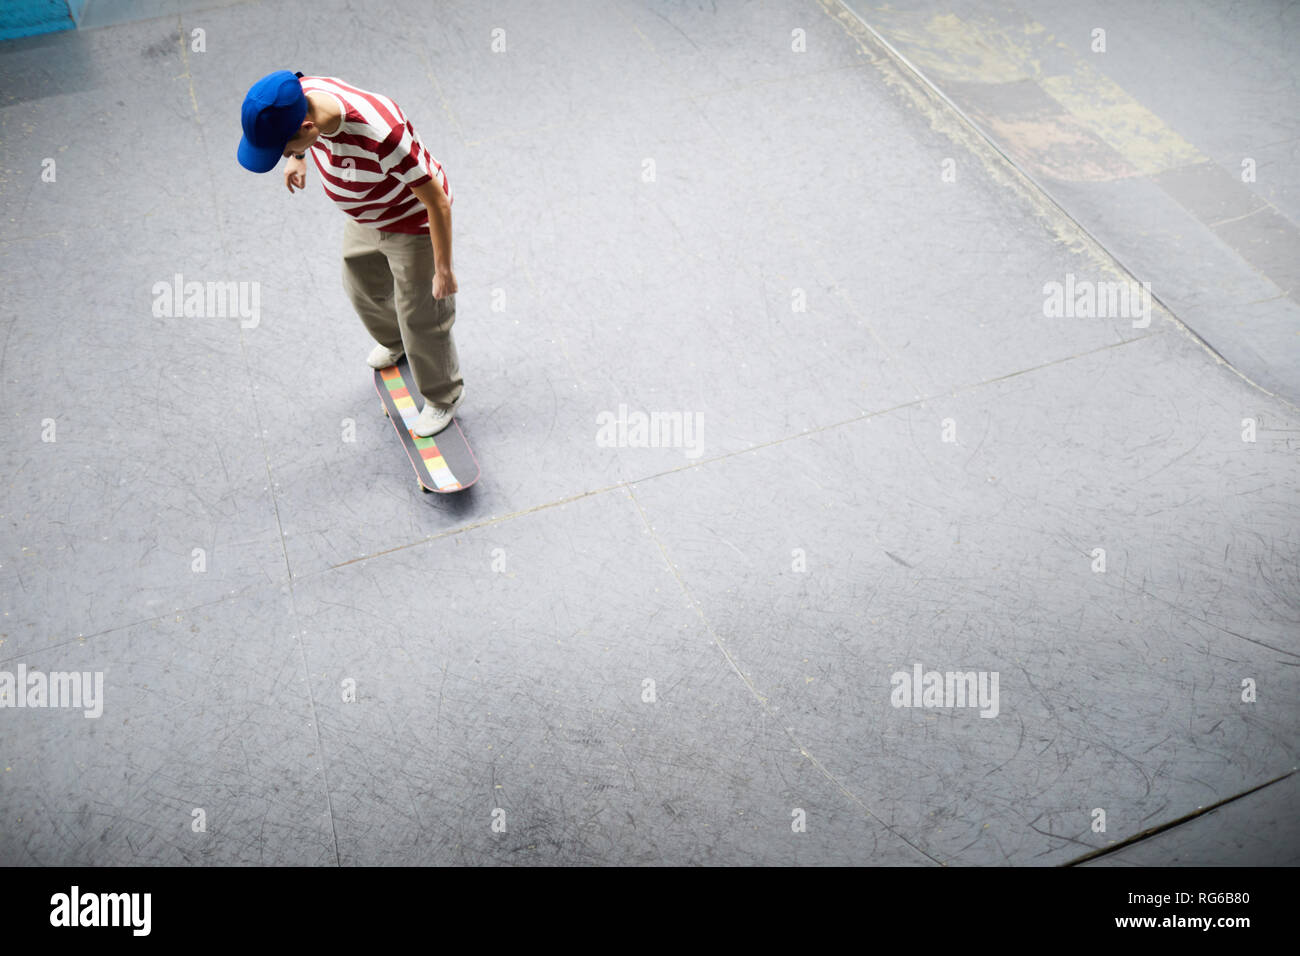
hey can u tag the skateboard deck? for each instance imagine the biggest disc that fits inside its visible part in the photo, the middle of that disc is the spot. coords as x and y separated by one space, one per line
443 463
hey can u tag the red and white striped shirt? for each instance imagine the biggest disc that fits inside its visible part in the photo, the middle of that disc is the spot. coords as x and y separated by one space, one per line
369 164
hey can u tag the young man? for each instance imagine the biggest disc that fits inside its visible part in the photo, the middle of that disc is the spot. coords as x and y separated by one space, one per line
397 241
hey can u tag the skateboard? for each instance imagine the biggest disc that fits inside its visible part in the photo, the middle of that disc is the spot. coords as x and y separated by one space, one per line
443 463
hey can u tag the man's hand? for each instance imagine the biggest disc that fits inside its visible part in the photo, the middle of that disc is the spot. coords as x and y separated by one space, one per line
444 284
295 174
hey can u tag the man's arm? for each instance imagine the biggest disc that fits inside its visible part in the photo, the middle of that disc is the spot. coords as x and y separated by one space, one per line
435 201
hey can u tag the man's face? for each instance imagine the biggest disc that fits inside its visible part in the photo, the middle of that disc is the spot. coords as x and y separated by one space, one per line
307 134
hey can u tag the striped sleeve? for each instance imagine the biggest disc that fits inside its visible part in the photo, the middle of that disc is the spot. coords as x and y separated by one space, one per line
404 156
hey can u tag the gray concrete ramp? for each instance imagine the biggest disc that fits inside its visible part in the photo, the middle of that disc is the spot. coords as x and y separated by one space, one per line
1166 130
809 531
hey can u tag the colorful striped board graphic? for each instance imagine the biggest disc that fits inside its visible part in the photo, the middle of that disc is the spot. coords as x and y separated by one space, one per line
444 462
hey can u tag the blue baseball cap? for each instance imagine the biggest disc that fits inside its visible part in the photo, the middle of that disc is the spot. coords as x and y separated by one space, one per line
273 110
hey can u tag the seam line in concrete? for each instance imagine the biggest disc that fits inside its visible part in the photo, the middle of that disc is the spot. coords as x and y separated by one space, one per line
759 697
1153 831
732 454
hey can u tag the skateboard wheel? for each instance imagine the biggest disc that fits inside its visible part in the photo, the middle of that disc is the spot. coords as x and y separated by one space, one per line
385 408
424 489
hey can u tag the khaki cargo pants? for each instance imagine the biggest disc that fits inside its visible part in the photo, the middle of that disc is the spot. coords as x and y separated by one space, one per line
389 278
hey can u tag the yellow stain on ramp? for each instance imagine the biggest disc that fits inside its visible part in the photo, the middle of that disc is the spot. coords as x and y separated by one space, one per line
950 50
1134 131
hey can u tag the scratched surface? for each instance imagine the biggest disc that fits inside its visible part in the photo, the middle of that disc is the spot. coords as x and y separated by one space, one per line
618 654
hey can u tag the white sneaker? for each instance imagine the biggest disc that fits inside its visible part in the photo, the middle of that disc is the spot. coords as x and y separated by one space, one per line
381 357
433 419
